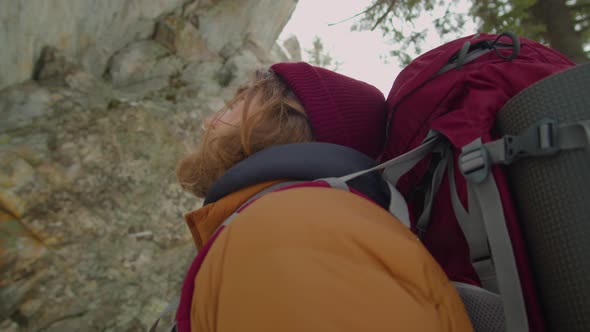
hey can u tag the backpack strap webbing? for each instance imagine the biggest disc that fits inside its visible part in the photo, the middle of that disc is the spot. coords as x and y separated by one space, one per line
485 206
547 137
259 194
542 139
486 196
395 168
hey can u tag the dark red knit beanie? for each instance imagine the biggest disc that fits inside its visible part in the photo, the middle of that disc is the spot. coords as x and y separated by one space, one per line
341 110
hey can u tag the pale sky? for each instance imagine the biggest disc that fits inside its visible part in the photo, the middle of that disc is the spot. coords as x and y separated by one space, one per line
359 52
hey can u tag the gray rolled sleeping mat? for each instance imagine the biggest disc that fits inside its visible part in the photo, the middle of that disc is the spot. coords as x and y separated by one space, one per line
552 194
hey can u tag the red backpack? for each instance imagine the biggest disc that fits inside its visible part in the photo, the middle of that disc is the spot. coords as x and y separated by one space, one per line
452 94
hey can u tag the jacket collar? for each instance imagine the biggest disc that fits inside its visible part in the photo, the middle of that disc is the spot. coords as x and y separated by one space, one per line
303 162
204 221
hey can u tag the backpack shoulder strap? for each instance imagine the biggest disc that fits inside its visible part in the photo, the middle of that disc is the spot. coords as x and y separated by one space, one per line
258 195
393 170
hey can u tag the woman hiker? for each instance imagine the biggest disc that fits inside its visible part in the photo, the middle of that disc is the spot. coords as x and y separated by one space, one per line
279 251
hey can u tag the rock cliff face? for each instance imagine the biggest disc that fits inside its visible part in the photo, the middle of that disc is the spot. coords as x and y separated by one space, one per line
98 99
92 30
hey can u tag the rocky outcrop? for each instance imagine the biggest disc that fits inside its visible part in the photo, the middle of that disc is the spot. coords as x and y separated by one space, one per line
293 48
89 30
92 30
92 236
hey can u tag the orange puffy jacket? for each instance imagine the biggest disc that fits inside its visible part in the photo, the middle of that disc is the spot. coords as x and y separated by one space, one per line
315 259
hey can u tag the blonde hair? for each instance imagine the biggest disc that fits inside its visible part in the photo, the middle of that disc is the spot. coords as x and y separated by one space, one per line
279 119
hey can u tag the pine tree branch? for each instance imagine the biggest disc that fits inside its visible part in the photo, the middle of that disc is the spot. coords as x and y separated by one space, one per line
368 9
580 5
384 16
582 19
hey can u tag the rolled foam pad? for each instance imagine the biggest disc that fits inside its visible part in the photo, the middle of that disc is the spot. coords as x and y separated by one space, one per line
553 198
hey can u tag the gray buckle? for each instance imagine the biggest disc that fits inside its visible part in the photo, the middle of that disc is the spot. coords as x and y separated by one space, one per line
537 140
475 162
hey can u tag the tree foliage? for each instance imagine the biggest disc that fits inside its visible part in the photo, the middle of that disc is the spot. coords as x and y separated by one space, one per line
320 57
563 24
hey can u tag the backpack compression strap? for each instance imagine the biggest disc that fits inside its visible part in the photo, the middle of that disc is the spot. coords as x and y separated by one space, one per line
543 139
484 204
487 197
484 226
